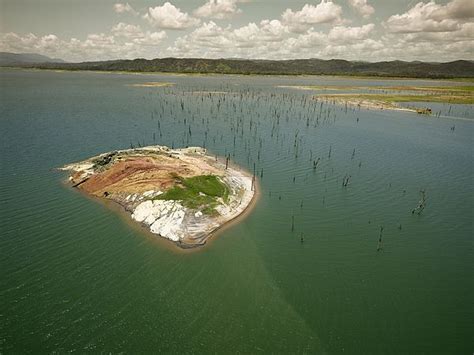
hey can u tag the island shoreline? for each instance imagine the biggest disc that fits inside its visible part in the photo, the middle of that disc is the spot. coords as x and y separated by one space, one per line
240 217
175 246
164 242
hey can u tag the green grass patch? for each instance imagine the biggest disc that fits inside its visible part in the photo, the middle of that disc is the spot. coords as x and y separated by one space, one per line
467 88
433 90
452 99
210 185
198 193
441 91
391 98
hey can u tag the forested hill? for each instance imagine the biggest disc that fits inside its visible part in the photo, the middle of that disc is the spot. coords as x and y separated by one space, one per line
455 69
14 59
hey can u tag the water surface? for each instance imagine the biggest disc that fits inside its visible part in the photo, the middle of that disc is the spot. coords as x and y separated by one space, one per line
76 276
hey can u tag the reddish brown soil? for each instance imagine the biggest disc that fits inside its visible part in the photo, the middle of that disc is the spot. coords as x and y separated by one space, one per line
140 174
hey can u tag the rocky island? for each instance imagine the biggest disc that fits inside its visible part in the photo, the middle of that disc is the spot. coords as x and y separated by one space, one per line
183 195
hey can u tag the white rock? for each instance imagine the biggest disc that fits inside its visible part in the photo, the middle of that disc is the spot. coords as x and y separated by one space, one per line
142 211
148 193
170 225
164 217
223 210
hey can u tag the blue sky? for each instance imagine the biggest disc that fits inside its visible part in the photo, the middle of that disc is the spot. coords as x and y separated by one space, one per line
371 30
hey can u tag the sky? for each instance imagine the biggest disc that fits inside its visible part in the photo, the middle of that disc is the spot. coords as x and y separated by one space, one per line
366 30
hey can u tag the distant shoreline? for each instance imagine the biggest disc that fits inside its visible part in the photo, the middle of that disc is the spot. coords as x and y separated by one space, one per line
210 74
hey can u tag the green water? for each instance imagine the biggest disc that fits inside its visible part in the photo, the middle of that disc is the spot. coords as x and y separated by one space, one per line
76 276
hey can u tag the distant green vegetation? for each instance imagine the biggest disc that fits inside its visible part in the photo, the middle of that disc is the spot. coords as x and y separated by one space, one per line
456 88
466 80
394 94
389 98
432 90
455 69
425 89
198 192
447 90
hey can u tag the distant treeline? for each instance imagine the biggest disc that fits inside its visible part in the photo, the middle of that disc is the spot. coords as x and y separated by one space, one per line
456 69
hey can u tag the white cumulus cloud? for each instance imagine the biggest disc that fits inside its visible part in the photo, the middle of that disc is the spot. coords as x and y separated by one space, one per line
96 46
135 34
123 8
432 17
127 30
324 12
456 9
350 34
169 16
218 9
423 31
213 40
362 7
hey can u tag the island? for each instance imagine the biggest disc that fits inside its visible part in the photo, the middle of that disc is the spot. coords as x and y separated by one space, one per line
183 195
390 97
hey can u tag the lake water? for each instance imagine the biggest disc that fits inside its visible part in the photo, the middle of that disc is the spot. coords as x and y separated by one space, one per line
77 276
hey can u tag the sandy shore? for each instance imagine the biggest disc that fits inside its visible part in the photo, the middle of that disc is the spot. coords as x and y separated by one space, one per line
153 84
365 104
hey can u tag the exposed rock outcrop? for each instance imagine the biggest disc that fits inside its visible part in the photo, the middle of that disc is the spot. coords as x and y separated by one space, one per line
139 179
